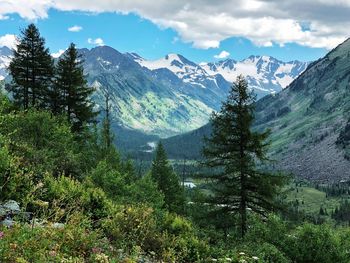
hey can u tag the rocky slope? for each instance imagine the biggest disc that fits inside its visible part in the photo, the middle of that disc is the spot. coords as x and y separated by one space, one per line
306 120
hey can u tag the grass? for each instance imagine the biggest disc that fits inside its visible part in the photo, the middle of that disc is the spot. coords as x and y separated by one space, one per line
310 199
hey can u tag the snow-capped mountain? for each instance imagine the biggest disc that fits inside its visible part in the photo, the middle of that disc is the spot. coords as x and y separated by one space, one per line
154 101
171 95
184 69
265 74
5 58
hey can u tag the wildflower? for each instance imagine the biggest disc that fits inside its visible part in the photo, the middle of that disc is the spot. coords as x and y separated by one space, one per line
255 258
2 234
52 253
96 250
241 253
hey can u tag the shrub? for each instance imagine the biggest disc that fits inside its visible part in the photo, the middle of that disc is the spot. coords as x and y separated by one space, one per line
76 242
313 244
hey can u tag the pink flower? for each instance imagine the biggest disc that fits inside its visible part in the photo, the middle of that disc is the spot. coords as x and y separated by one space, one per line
1 234
96 250
52 253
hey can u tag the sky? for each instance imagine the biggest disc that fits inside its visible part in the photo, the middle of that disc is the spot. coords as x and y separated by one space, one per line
201 30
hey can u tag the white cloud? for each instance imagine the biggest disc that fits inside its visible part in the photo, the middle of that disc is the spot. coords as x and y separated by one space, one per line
75 28
8 40
205 23
58 53
98 41
223 54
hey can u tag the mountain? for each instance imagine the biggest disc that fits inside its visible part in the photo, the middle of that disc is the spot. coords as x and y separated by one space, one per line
154 102
309 121
5 58
169 96
264 74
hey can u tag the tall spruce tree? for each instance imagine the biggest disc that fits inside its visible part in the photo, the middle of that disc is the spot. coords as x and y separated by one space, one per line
31 69
233 151
71 93
167 180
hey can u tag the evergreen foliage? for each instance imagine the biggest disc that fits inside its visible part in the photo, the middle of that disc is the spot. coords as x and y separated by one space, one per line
168 182
71 94
32 70
234 150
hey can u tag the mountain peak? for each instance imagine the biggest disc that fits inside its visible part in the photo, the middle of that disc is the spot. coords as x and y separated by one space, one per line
5 51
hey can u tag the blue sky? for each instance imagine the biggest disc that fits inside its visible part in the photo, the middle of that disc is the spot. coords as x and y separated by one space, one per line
132 33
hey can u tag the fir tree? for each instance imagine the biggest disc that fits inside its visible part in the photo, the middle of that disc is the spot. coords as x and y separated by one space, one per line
72 90
31 69
167 180
233 150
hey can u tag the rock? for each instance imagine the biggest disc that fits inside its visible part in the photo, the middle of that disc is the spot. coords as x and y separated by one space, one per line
12 207
7 222
58 225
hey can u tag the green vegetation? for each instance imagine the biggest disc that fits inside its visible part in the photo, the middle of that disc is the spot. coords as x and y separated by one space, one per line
234 150
80 201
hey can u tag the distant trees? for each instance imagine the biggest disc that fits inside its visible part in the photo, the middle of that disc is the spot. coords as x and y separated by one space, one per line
31 69
167 180
233 150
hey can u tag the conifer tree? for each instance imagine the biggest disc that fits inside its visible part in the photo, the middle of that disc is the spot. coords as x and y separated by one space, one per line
167 180
233 151
31 69
107 135
72 90
107 148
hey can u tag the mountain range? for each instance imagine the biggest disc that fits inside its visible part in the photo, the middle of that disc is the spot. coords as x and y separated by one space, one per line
171 95
309 122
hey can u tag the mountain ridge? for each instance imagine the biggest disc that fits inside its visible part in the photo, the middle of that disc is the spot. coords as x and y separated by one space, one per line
166 97
306 120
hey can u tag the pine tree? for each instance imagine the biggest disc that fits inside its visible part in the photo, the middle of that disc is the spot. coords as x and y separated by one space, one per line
167 180
31 69
232 152
72 90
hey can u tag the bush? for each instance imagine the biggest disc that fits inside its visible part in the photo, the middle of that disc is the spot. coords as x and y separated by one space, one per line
76 241
270 254
70 195
42 142
315 243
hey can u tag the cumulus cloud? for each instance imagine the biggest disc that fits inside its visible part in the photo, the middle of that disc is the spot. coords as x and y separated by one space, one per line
98 41
75 28
223 54
58 53
8 40
205 23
